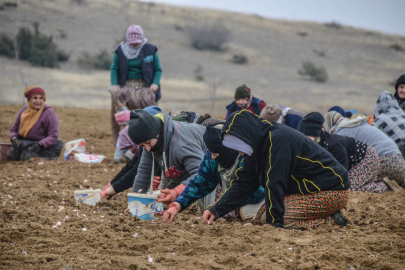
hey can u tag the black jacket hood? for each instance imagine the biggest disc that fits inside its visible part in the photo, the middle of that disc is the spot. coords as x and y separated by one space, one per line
248 127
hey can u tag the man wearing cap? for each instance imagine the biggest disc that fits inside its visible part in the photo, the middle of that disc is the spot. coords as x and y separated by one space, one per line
244 100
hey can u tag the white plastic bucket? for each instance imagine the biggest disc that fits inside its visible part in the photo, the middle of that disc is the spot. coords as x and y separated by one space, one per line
144 205
90 197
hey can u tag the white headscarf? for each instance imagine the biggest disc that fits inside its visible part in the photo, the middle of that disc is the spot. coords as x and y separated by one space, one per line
132 52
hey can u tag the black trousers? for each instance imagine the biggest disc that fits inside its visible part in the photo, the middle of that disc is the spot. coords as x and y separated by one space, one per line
22 154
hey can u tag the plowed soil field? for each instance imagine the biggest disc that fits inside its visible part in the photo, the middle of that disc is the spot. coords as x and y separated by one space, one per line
36 194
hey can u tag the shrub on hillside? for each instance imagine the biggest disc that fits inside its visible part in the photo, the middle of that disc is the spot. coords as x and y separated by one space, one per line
38 49
62 56
316 74
101 60
24 39
239 58
209 36
43 52
6 46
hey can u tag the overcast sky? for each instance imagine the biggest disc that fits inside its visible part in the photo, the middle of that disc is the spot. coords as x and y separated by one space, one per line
382 15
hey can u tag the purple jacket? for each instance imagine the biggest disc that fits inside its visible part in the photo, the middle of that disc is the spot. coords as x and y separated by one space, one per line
45 130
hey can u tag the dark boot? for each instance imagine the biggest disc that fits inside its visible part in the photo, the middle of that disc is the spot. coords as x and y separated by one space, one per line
339 219
13 154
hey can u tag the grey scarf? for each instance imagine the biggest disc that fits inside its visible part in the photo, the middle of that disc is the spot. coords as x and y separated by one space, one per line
132 52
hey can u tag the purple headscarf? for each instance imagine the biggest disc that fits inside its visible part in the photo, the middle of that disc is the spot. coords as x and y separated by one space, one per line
125 142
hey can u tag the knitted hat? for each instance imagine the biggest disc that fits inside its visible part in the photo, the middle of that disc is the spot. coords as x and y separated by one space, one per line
339 110
122 116
153 109
242 92
29 92
312 124
143 126
271 112
134 34
401 80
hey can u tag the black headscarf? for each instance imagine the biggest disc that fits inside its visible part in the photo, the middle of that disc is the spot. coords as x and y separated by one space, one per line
401 80
227 156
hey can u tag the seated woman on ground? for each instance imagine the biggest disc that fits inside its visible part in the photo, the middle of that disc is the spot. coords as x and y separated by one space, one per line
392 164
304 185
176 147
390 119
244 100
125 178
35 132
216 171
135 75
283 115
359 159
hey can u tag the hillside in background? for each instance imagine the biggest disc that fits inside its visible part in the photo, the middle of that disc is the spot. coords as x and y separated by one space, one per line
360 63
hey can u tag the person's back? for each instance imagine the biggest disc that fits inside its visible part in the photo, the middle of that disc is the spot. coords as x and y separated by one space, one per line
371 136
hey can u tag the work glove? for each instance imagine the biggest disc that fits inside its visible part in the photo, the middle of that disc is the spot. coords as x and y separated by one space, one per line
16 143
35 148
171 213
171 194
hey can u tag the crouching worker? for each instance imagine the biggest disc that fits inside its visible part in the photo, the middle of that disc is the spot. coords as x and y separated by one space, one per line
35 132
122 118
125 178
218 167
305 186
360 160
176 147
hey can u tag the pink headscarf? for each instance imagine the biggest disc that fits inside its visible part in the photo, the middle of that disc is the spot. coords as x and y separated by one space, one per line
122 117
134 34
125 142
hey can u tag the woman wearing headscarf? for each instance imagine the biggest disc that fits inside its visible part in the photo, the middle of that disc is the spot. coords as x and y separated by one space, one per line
283 115
176 147
35 132
135 75
392 164
244 100
304 185
400 91
218 167
390 119
125 178
122 119
360 160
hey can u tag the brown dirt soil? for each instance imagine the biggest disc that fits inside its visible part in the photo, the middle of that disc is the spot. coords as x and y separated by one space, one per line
30 201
